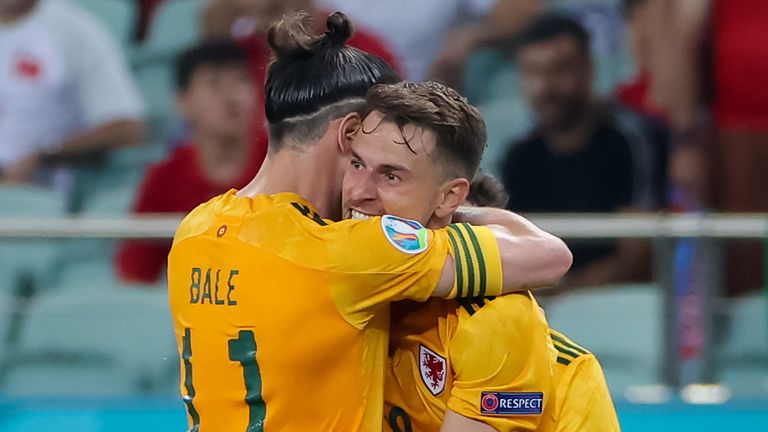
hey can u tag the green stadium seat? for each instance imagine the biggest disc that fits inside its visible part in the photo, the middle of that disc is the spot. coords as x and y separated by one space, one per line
95 340
176 24
622 325
32 258
744 355
155 80
118 16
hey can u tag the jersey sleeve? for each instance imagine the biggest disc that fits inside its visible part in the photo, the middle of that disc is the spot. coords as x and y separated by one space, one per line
502 360
382 260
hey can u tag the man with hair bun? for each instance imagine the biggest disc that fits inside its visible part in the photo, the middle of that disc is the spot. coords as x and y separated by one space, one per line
282 314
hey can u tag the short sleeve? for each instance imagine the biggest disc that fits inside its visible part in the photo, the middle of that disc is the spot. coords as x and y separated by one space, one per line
387 259
502 360
105 86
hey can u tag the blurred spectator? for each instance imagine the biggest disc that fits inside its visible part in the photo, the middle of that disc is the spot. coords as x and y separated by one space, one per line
65 91
433 38
584 155
636 92
216 95
710 60
248 20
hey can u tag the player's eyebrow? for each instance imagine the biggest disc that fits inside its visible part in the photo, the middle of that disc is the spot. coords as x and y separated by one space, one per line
391 168
381 168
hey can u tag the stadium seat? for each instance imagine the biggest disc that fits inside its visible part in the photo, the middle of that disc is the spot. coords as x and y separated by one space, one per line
491 84
155 80
118 16
176 24
622 325
95 340
744 356
27 257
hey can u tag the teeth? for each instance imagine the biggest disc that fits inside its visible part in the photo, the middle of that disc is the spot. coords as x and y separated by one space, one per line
357 215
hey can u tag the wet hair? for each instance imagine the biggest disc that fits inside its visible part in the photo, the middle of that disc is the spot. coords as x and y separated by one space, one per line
212 52
551 25
458 126
316 78
487 191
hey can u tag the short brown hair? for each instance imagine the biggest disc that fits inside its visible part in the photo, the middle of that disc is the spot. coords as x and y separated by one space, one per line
458 126
487 191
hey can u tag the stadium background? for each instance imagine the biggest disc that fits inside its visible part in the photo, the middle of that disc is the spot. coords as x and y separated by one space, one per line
82 351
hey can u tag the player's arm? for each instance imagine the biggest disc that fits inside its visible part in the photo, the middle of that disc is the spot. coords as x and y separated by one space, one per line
453 422
530 257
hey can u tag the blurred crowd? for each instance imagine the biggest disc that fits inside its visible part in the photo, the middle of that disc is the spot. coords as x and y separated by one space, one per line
624 105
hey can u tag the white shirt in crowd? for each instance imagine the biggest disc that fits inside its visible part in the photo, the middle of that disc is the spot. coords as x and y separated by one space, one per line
60 73
414 29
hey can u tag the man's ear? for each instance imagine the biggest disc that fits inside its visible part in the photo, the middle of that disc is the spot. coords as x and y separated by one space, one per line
452 195
348 128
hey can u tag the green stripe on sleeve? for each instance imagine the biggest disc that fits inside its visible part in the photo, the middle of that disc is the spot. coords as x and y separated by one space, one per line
458 264
470 267
480 258
563 361
569 344
566 351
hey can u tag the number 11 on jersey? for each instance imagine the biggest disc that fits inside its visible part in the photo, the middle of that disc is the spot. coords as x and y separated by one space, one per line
243 351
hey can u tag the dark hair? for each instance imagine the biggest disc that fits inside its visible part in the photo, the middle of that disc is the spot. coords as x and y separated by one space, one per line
212 52
551 25
458 126
315 79
487 191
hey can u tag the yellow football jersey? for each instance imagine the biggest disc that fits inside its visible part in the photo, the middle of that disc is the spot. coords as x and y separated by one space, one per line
491 360
281 317
583 402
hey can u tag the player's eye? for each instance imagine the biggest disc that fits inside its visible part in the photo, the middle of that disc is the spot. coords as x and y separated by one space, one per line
356 164
392 178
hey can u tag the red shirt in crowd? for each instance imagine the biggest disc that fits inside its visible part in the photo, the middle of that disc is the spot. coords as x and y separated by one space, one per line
175 185
741 65
636 94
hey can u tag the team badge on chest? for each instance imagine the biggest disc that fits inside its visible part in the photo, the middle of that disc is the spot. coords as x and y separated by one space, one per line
433 368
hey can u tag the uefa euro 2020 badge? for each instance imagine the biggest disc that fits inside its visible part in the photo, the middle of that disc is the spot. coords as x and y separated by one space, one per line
405 235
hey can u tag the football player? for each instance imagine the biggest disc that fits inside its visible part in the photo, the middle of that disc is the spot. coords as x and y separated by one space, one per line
477 364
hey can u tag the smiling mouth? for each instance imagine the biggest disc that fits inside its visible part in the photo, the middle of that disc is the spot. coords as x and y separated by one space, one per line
356 214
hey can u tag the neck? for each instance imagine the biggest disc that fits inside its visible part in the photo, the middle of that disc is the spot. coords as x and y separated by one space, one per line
574 138
304 173
15 13
222 159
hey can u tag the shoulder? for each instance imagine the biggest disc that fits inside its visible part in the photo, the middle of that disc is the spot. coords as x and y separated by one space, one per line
509 312
197 221
496 327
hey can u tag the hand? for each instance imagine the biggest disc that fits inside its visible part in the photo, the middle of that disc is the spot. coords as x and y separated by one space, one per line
24 169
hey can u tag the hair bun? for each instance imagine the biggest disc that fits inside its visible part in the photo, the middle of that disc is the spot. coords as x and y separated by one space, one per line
339 28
